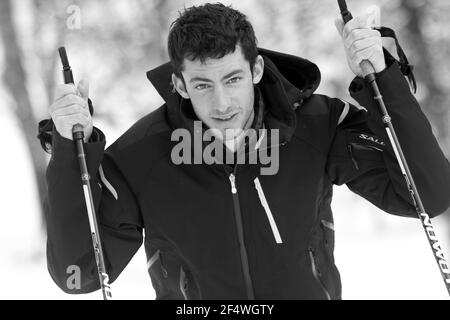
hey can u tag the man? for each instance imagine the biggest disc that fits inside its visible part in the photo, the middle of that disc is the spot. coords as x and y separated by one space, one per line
226 230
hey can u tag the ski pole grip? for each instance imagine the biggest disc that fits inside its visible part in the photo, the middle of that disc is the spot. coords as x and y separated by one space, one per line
78 132
346 15
365 65
67 71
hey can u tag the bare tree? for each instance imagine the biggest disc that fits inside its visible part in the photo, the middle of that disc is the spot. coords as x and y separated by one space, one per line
48 13
14 77
162 9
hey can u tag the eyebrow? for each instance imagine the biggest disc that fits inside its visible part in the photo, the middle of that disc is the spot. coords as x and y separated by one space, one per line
229 75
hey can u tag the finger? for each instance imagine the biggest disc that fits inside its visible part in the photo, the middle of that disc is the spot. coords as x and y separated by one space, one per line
70 110
365 54
69 121
77 119
57 99
83 88
359 22
374 19
359 34
375 45
365 43
68 99
64 89
339 24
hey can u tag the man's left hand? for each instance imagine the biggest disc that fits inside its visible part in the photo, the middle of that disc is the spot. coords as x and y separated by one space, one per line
361 43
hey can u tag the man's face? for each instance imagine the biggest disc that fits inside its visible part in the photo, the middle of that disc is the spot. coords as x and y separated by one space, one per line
221 90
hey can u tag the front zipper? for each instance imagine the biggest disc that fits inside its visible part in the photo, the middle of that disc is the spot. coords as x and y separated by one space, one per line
262 199
240 231
233 184
316 273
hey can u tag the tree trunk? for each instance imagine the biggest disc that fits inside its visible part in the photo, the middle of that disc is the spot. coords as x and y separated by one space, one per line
47 54
162 8
15 81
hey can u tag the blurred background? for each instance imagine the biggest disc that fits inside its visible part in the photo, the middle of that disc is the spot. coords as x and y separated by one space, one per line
113 44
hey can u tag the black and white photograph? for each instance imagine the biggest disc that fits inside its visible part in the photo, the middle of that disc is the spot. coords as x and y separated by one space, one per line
225 151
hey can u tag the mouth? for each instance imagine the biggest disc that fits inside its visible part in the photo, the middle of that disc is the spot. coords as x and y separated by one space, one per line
225 117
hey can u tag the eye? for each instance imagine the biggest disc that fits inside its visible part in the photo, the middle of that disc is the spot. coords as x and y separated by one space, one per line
202 86
234 80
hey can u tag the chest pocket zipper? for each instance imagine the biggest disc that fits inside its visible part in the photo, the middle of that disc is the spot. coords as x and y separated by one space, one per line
262 199
316 273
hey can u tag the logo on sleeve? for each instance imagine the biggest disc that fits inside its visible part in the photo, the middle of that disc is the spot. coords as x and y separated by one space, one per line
370 138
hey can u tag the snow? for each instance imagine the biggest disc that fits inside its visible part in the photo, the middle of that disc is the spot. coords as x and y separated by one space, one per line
23 270
379 256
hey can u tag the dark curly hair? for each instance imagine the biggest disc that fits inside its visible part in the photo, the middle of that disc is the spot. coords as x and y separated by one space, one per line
210 31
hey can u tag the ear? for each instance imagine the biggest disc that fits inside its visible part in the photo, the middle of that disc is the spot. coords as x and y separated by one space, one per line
179 85
258 69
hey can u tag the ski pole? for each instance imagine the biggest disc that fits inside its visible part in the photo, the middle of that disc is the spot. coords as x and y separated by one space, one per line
369 73
78 136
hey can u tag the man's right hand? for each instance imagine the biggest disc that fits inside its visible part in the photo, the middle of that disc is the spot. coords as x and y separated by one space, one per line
71 107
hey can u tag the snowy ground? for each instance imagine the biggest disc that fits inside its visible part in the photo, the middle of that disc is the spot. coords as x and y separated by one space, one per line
379 256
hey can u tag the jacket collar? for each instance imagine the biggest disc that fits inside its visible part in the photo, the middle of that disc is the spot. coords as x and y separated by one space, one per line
287 81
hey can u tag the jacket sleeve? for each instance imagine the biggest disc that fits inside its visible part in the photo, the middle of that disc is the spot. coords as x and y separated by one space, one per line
69 243
362 157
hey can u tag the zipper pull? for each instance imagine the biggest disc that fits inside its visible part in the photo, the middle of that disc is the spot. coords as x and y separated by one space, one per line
233 184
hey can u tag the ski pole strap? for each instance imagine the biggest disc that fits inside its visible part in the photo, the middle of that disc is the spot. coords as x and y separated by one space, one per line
405 67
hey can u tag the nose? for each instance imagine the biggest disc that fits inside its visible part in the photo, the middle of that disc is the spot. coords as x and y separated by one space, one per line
222 102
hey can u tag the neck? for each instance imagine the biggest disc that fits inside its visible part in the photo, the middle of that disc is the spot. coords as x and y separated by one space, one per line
235 143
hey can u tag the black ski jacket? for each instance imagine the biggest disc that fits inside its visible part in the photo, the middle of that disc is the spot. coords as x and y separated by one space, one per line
222 232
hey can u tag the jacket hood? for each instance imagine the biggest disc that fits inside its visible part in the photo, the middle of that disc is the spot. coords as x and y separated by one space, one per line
287 81
300 72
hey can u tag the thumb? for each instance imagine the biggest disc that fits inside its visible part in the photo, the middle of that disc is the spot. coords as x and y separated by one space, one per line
339 24
369 19
83 88
373 19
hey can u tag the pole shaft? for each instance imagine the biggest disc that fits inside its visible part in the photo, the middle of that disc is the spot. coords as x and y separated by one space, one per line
411 185
95 234
369 73
78 136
